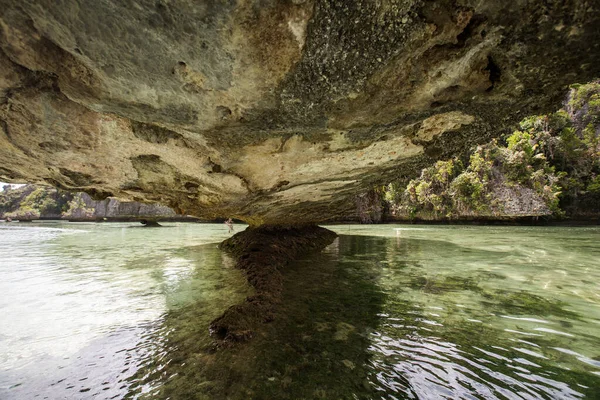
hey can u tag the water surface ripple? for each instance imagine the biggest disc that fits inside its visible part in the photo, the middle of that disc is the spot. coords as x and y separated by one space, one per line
105 311
83 304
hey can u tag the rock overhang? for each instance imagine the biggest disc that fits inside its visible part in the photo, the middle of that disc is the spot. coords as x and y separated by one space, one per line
272 111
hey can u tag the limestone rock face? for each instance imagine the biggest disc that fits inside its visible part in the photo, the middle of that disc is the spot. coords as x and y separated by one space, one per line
113 208
272 111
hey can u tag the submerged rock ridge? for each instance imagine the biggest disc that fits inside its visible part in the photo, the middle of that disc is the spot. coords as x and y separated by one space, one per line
272 111
261 253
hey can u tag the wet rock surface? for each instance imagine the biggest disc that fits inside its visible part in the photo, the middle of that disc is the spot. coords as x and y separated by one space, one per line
272 111
261 253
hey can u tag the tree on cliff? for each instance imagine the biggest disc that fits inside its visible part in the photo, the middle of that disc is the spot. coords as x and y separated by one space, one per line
32 202
78 209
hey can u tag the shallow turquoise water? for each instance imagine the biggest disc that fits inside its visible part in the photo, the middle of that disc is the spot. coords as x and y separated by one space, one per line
82 304
114 311
484 312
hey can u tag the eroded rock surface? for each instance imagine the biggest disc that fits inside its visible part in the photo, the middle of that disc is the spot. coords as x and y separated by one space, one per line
261 253
272 111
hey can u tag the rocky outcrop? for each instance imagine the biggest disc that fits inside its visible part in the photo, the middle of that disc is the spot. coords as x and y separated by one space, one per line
43 202
87 208
261 253
272 111
371 207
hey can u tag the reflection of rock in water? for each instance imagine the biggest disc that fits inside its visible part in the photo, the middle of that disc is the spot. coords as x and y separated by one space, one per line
316 347
181 362
353 323
262 253
523 303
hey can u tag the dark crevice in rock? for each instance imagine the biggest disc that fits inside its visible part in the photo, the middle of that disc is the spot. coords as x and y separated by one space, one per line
472 29
98 195
78 178
53 182
149 164
261 253
214 167
156 134
4 127
224 112
191 187
7 173
494 71
433 151
281 184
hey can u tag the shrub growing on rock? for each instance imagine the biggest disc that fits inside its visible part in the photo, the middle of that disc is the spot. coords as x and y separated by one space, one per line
550 164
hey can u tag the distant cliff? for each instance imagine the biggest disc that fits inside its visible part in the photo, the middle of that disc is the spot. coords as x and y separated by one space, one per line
83 207
41 202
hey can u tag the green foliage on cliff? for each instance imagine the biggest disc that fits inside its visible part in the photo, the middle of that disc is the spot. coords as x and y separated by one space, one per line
77 208
448 188
10 199
549 166
31 202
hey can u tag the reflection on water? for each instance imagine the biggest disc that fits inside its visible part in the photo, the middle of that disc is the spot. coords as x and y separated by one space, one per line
106 311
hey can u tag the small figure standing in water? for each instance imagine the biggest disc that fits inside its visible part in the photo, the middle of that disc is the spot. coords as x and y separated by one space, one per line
229 224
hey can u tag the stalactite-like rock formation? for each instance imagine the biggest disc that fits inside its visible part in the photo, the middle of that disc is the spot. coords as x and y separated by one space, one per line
273 111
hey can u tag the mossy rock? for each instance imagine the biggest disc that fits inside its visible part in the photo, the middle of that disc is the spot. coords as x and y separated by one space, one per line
523 303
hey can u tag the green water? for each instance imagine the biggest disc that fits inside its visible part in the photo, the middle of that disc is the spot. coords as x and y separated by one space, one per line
393 312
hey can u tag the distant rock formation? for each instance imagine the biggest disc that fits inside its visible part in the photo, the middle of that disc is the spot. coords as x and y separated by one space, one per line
86 208
42 202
